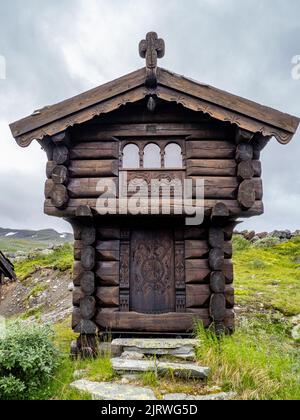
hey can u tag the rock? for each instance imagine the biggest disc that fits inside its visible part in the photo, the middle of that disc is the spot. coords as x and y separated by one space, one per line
182 348
131 355
113 392
255 239
296 333
127 379
78 374
249 235
71 287
182 370
283 235
296 233
223 396
262 235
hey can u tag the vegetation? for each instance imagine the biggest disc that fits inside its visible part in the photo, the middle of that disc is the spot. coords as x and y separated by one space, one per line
268 277
28 358
15 245
259 362
60 259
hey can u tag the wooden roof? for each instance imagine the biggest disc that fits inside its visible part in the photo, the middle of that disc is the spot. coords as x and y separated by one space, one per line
170 87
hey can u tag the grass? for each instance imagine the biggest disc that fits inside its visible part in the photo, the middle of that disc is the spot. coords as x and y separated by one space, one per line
259 362
268 277
60 259
23 245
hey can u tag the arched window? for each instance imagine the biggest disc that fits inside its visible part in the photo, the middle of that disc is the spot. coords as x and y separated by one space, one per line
152 156
173 156
131 157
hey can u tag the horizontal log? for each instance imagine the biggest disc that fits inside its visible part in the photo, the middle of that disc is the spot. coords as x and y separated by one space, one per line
77 296
196 249
211 167
91 187
108 131
95 150
197 295
198 271
217 282
210 150
49 184
93 168
86 327
88 307
61 155
246 170
78 271
60 175
219 212
218 307
165 323
247 194
108 296
108 250
87 283
88 235
216 237
233 206
216 259
76 317
109 233
108 272
195 233
49 168
244 151
229 296
59 196
88 258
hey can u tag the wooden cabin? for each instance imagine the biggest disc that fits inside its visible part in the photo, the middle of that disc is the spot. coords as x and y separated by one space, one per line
148 273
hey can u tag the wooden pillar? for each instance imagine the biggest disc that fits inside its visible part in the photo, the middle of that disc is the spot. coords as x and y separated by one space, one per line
222 294
84 300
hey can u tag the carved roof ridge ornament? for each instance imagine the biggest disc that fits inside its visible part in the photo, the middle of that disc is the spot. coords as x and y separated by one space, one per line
152 48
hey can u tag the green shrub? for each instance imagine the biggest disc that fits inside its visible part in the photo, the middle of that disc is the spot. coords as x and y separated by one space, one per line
267 242
258 264
240 243
28 359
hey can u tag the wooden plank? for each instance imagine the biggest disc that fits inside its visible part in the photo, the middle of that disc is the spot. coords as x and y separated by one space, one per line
233 206
108 250
95 150
108 296
210 150
196 249
168 323
91 187
197 296
149 130
211 167
228 101
79 102
108 272
93 168
109 233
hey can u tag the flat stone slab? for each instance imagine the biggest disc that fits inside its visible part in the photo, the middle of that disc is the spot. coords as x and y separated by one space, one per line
105 391
182 348
223 396
182 370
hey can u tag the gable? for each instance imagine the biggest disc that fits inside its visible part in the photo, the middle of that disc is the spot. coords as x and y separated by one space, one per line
171 87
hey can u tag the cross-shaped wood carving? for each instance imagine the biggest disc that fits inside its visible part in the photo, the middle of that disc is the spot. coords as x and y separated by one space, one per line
152 48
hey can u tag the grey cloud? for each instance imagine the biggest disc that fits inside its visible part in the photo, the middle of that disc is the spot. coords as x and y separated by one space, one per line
56 49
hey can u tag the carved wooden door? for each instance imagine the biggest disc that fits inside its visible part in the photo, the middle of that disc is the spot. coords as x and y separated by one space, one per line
152 279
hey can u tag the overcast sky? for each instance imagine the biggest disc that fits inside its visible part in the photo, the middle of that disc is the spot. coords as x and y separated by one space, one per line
55 49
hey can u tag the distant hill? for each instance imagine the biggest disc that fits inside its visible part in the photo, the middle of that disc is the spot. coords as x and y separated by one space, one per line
14 240
45 235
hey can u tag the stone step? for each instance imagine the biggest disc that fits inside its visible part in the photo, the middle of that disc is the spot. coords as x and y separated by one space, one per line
181 370
180 348
106 391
